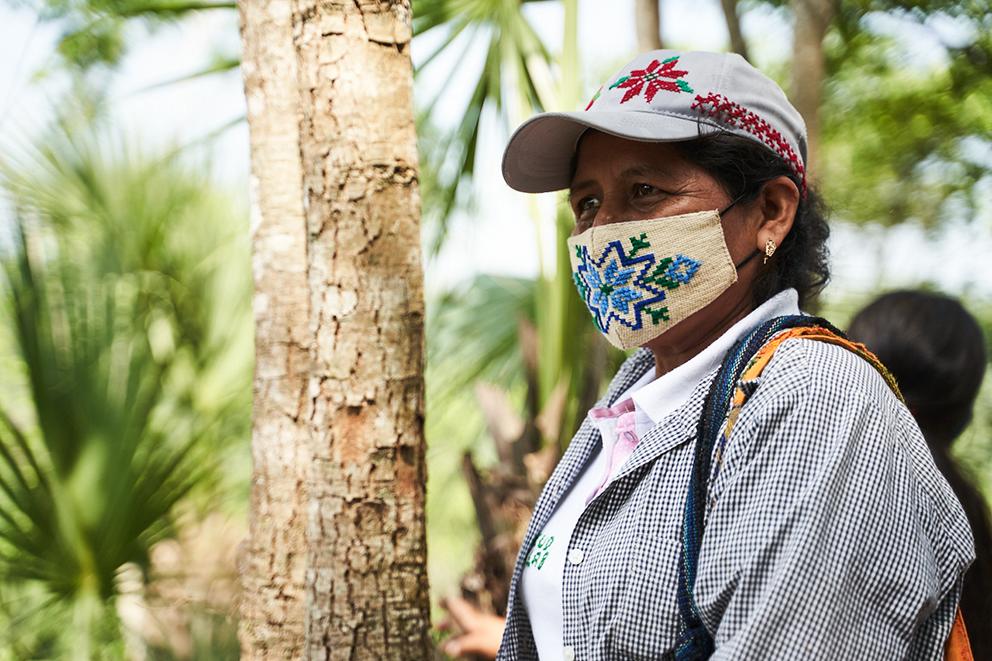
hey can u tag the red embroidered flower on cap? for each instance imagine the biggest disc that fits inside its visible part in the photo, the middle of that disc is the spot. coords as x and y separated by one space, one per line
656 77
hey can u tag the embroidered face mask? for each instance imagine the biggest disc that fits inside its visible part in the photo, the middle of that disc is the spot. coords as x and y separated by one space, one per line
642 277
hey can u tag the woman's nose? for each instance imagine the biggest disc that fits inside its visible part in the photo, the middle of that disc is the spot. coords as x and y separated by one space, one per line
610 211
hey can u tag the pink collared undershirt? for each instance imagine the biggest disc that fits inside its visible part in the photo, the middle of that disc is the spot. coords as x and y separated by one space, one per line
623 418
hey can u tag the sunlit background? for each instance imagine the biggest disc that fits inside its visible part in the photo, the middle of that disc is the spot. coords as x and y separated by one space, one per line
126 329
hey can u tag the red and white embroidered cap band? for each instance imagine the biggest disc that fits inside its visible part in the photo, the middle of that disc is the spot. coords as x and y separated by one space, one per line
661 96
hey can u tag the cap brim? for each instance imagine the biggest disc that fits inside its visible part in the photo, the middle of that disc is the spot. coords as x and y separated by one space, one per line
539 156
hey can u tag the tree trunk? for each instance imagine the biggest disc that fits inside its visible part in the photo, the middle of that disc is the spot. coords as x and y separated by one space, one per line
647 19
737 43
273 557
812 19
330 85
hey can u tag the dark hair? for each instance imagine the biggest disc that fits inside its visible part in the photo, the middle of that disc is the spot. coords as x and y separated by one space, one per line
936 351
743 166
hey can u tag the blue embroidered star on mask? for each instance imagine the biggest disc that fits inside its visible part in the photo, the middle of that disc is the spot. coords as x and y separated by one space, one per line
620 286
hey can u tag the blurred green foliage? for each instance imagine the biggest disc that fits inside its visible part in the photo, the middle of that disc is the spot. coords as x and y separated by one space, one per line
127 305
472 337
95 33
908 133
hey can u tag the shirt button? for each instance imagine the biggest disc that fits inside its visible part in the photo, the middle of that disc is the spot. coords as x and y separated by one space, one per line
569 654
575 556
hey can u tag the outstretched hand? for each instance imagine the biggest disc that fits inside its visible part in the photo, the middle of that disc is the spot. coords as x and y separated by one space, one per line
475 632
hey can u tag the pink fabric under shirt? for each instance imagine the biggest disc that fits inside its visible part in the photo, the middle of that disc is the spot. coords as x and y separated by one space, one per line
622 417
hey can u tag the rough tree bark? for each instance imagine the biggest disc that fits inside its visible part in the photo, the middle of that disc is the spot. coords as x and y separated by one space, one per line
273 557
647 19
812 19
329 88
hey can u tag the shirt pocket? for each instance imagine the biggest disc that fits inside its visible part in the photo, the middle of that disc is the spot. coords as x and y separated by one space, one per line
645 623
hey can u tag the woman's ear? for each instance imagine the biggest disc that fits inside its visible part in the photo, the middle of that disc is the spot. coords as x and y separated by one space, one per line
776 206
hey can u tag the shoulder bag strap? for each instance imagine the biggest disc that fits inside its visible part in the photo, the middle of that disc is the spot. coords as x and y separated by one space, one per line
745 361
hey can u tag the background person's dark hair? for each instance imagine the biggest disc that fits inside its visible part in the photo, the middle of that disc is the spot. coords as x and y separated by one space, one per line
936 351
743 166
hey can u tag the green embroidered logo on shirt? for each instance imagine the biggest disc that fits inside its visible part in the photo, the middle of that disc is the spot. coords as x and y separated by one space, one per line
540 551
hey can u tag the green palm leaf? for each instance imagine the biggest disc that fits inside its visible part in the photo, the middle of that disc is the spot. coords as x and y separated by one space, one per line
504 86
93 485
136 365
473 335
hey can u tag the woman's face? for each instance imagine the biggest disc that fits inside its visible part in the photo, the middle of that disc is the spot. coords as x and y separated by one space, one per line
619 180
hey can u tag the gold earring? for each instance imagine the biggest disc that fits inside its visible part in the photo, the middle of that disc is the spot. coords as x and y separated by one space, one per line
769 250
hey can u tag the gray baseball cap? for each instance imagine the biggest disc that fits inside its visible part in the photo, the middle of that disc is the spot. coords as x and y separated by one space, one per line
661 96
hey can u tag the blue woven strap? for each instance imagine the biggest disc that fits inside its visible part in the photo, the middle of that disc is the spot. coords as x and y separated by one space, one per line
695 641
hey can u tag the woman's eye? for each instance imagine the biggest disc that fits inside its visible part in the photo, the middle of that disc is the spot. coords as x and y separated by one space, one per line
585 213
644 190
586 205
585 210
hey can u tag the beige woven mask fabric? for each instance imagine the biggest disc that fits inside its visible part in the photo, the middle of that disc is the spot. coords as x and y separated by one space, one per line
642 277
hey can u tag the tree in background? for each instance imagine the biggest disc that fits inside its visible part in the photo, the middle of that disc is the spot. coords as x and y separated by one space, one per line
647 19
811 19
335 566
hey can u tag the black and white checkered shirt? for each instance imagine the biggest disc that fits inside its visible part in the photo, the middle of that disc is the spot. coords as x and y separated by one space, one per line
829 533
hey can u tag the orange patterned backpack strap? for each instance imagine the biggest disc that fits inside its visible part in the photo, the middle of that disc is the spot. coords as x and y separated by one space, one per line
761 359
822 334
958 647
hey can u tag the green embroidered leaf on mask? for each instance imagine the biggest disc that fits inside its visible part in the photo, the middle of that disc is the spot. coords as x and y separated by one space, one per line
659 315
638 243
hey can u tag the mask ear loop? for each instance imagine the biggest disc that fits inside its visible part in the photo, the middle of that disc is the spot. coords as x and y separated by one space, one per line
756 252
732 204
747 259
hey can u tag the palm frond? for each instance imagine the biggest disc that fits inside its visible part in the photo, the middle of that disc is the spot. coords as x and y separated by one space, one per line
171 8
119 430
219 64
473 333
506 78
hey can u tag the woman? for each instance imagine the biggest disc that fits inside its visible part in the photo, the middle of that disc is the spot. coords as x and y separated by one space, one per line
829 534
936 350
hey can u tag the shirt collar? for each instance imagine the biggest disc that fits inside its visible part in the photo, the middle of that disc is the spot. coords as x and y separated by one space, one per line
657 398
